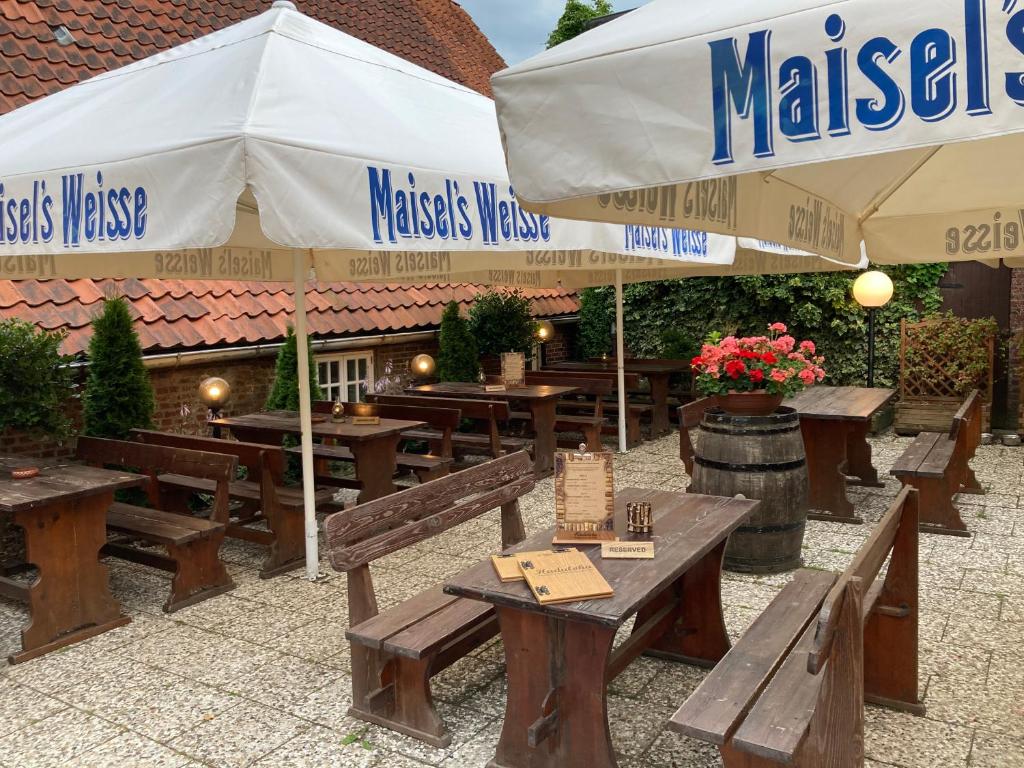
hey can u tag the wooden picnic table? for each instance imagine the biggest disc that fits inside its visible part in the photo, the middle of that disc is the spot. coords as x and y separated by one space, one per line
559 658
542 400
657 373
63 511
374 446
835 422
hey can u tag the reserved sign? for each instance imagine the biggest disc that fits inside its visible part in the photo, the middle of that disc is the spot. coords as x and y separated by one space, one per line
627 550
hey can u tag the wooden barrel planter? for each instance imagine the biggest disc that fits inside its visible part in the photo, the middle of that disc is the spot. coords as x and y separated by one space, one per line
761 457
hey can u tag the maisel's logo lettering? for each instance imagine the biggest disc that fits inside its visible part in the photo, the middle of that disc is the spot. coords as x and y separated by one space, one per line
27 267
743 73
818 225
92 210
515 277
205 262
678 242
402 210
653 200
400 264
560 259
992 236
711 200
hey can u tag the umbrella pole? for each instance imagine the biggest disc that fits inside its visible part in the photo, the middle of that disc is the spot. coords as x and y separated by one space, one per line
619 363
305 419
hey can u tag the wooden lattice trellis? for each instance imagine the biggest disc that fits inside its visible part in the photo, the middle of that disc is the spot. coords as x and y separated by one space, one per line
928 396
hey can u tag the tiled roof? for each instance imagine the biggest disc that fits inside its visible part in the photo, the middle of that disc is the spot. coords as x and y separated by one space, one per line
107 34
172 315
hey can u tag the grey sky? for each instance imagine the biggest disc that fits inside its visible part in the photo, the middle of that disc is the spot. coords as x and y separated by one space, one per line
520 28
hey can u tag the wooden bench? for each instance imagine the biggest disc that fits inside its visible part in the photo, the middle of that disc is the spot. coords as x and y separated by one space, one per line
192 543
792 689
426 466
690 416
487 416
635 412
263 495
590 422
938 465
396 652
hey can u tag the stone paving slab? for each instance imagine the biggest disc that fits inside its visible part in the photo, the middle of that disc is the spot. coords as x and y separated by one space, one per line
261 676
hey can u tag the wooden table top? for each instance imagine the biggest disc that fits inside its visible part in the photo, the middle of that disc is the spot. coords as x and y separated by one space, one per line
630 366
288 422
686 527
840 403
57 481
476 391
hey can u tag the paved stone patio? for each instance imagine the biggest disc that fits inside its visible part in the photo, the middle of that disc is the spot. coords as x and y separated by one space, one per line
260 676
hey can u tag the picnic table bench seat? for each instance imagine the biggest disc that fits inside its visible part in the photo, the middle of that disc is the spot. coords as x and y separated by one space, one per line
192 543
938 465
791 691
262 495
395 652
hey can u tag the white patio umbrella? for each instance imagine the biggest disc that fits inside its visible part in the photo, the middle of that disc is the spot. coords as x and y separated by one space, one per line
282 149
814 123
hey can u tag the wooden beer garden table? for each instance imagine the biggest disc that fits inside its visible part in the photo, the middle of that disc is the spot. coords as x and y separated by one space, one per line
542 400
374 446
657 373
835 423
63 511
559 658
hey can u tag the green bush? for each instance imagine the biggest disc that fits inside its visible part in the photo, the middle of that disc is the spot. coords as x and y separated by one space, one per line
457 355
501 321
284 395
35 381
118 394
817 306
575 17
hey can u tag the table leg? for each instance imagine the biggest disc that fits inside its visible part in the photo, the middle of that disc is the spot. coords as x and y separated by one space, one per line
556 714
693 628
858 455
70 600
544 436
375 463
659 395
825 445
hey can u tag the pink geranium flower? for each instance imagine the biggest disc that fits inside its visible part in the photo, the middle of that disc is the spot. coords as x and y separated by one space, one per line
780 327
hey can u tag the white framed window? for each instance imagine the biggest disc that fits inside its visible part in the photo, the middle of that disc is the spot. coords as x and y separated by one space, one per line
345 377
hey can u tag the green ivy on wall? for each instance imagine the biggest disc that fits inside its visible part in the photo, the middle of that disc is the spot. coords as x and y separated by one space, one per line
817 306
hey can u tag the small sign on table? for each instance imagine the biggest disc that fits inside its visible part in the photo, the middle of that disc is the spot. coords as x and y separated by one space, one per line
513 369
584 498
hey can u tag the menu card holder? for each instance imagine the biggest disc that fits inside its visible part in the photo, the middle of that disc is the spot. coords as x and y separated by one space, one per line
584 497
513 369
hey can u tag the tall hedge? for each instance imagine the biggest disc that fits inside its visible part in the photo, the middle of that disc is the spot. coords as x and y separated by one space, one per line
502 321
284 395
816 306
458 358
35 380
118 394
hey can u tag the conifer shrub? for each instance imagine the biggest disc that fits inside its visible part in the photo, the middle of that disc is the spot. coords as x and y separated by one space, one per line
118 394
458 358
284 395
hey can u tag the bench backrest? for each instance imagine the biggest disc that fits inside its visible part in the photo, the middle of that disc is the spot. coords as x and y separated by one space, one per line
690 416
896 533
966 426
154 460
587 384
445 420
358 536
631 380
485 414
257 458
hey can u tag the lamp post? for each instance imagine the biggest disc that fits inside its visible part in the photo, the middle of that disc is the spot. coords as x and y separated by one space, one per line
215 393
422 366
872 290
545 332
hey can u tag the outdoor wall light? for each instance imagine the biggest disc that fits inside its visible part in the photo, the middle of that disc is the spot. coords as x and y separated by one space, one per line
422 366
872 290
214 392
545 331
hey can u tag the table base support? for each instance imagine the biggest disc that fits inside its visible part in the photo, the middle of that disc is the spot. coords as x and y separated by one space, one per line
71 637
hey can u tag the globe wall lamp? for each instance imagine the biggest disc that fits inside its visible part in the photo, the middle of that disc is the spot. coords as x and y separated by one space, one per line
422 366
545 331
872 290
215 393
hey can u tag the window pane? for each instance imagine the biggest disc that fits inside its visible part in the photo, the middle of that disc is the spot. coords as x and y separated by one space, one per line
321 372
350 369
362 368
353 393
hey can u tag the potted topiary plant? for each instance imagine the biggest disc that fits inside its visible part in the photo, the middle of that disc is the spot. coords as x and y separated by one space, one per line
502 321
750 376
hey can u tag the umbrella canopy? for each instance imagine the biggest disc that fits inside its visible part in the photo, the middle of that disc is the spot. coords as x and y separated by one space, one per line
815 124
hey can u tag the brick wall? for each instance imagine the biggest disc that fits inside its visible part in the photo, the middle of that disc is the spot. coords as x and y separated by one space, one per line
400 355
1017 329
